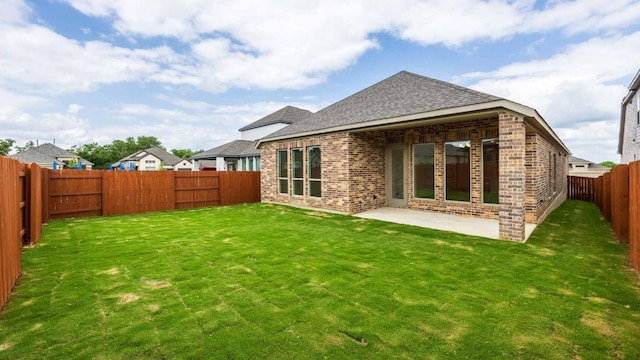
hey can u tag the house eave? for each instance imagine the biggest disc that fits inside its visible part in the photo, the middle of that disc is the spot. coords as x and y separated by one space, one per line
633 88
436 116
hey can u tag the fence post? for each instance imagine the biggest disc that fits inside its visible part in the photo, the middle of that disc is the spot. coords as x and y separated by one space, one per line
634 215
620 202
35 203
606 199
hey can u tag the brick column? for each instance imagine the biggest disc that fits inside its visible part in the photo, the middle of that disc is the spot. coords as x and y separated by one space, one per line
512 177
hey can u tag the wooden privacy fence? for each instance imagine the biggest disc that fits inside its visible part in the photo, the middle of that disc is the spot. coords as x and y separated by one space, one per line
31 196
20 217
581 188
617 195
74 193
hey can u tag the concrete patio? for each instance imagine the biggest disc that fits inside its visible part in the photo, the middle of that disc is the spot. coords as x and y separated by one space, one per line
459 224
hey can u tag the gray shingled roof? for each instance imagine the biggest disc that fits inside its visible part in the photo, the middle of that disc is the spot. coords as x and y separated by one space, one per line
46 154
402 94
286 115
167 158
591 164
236 148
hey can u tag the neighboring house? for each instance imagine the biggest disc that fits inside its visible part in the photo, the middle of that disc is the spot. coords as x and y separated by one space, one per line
242 154
414 142
46 155
629 136
237 155
153 159
585 168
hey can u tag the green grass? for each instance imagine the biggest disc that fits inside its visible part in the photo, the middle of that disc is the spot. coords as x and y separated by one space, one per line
265 281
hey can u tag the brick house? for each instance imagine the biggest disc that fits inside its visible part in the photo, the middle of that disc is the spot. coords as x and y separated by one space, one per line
242 155
414 142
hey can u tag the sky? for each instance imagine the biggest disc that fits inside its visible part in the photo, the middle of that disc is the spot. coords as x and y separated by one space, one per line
193 72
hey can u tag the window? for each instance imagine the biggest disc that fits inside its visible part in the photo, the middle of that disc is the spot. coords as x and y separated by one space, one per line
258 164
550 175
423 171
149 161
490 173
250 164
458 170
283 175
297 171
555 167
315 171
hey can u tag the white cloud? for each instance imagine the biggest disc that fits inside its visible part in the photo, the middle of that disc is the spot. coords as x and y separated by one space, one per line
34 55
292 44
577 91
289 44
595 141
577 85
74 108
13 12
66 128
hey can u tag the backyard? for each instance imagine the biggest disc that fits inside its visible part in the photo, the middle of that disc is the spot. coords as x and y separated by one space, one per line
268 281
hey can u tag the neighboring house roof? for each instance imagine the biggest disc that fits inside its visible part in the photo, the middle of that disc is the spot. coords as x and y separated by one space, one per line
47 154
167 158
236 148
286 115
591 164
207 163
400 98
633 88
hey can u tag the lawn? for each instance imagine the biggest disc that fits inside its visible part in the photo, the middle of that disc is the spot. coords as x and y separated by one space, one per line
265 281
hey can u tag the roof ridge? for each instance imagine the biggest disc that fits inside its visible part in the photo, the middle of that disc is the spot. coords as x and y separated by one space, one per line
451 85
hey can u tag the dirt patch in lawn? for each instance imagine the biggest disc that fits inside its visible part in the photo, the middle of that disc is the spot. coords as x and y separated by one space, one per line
334 340
154 284
453 245
319 214
598 300
5 346
112 271
596 322
127 298
545 252
154 308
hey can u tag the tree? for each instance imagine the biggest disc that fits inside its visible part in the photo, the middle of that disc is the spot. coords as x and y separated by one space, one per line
28 145
145 142
185 153
103 155
609 164
99 155
6 145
